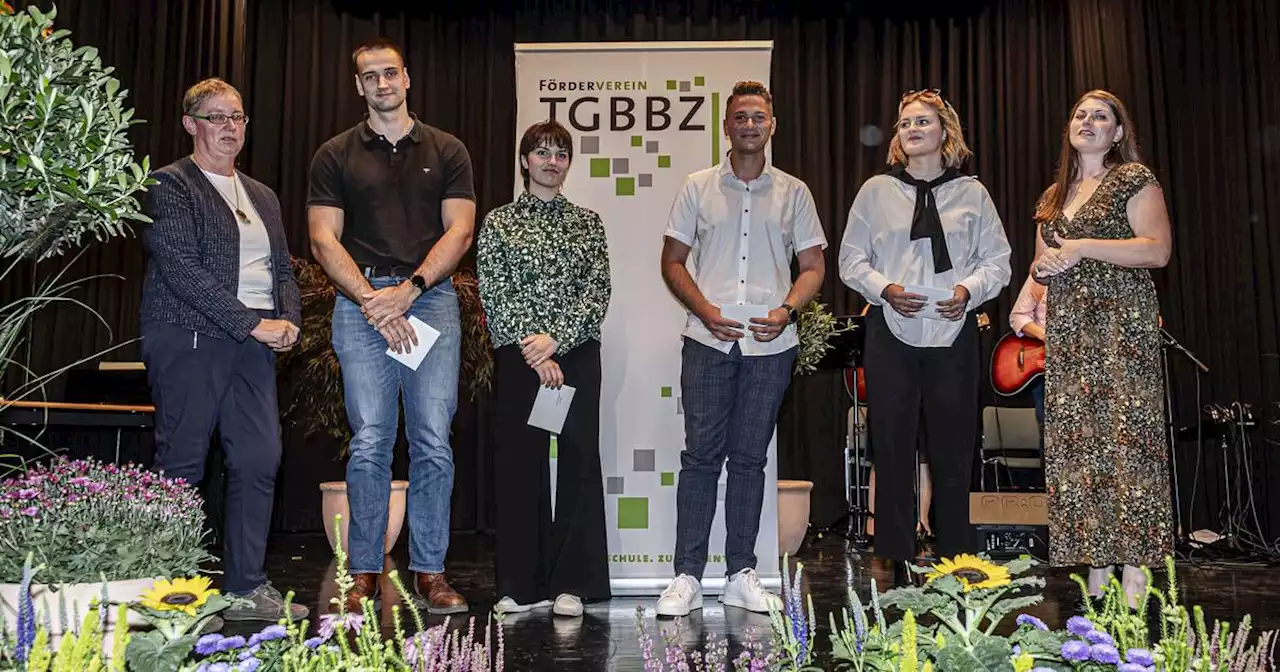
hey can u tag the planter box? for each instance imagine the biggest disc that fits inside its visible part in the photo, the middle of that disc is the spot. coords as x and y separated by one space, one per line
49 600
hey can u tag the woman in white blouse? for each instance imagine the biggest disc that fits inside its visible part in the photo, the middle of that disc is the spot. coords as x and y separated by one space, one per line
925 246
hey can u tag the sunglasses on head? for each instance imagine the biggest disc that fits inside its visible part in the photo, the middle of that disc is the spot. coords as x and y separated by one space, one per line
912 92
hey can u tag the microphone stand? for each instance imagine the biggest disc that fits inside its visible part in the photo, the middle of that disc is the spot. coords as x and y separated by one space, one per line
1170 342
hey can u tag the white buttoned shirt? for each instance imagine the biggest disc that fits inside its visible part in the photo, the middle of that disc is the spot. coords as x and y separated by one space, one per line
744 236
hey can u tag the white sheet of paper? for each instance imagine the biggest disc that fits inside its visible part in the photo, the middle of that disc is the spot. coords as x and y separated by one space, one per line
426 338
550 408
935 295
742 314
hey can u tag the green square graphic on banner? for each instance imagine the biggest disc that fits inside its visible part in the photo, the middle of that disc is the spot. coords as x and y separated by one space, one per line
664 161
671 85
668 478
555 447
699 81
633 513
599 167
666 391
637 141
626 186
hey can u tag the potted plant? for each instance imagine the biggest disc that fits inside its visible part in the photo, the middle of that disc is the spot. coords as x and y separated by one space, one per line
311 377
67 170
93 529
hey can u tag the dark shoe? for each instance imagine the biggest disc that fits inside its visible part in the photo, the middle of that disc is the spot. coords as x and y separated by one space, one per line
212 625
268 605
364 586
435 591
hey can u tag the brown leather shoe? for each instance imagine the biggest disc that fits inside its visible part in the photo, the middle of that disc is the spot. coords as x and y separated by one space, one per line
435 591
364 586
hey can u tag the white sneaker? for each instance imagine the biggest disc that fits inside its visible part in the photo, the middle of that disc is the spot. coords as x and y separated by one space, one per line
745 592
683 595
509 606
567 605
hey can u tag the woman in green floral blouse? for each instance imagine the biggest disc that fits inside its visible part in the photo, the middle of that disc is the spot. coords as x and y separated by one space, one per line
544 280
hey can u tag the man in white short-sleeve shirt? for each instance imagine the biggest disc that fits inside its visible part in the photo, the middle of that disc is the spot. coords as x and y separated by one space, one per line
743 220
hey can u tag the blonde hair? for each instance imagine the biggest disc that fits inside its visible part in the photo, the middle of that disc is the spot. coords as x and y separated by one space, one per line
204 90
954 149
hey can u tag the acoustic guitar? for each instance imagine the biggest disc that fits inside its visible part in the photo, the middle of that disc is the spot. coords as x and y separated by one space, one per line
1016 362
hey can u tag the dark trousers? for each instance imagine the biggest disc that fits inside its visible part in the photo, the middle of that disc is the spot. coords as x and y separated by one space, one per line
541 556
199 383
731 406
902 380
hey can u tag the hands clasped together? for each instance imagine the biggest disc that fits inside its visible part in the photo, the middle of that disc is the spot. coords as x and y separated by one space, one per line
1055 260
908 304
279 335
765 328
537 350
384 310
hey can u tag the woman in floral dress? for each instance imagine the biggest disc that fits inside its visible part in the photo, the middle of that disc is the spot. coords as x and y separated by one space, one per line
1102 225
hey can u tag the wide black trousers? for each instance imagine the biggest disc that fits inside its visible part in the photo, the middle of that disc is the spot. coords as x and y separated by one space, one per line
541 556
903 380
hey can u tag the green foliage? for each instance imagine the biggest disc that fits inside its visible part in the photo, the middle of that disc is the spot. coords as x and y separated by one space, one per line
68 176
67 168
815 328
85 520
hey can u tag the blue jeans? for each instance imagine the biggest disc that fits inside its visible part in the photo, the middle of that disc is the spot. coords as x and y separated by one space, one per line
373 383
731 405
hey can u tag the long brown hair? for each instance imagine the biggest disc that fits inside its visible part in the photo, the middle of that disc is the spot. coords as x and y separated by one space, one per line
1125 151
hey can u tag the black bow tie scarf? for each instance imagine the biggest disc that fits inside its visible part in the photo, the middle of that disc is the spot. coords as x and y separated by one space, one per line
926 222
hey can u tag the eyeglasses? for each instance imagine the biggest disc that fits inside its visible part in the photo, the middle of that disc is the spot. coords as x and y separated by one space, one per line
218 118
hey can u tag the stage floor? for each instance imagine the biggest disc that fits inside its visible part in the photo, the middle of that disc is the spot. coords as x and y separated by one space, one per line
607 636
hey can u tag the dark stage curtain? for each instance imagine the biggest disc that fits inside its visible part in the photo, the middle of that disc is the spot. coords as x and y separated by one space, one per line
1198 78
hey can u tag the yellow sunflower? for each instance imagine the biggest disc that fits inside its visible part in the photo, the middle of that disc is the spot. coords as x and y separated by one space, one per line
180 594
972 572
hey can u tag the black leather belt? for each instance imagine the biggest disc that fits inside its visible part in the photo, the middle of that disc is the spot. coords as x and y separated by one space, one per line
396 271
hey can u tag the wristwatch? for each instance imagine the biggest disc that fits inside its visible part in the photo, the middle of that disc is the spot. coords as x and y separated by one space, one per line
793 315
419 282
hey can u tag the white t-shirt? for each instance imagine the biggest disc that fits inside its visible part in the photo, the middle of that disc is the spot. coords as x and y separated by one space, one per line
256 287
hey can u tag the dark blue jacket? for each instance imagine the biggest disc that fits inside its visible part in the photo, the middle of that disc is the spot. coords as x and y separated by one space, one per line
193 270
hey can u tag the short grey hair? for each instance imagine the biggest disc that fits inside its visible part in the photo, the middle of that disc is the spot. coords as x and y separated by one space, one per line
204 90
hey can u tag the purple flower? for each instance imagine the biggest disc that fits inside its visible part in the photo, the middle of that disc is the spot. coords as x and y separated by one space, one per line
330 622
1075 651
249 665
1028 619
1099 637
30 511
313 642
1104 653
27 493
219 667
249 652
231 643
1079 626
271 632
1131 667
208 645
1139 657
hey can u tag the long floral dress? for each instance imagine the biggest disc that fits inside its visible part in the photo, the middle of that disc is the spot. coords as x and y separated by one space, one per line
1106 460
